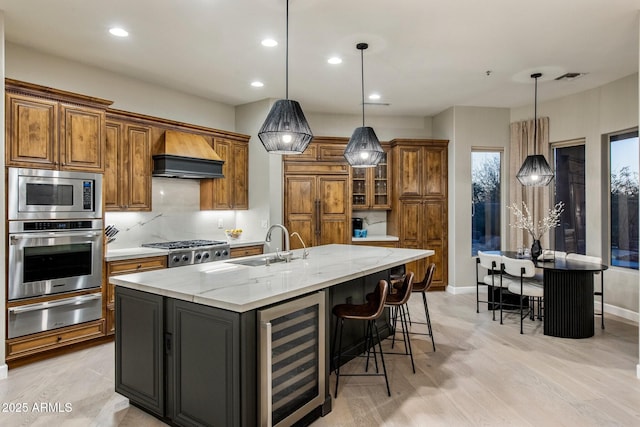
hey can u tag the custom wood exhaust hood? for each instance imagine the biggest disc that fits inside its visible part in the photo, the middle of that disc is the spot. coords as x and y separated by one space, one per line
186 155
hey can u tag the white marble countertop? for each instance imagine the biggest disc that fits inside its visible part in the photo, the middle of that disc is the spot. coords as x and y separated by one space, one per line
241 288
376 238
238 243
134 252
143 252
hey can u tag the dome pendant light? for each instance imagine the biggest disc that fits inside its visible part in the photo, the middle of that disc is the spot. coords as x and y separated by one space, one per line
535 171
285 130
363 149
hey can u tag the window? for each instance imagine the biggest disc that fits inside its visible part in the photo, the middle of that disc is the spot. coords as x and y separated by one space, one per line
570 235
486 204
624 186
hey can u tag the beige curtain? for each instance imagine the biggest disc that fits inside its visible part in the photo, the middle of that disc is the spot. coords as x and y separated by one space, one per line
536 198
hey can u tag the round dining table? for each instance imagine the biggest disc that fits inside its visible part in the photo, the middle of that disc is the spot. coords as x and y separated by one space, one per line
568 295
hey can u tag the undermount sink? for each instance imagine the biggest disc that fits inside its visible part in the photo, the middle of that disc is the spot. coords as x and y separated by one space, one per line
262 261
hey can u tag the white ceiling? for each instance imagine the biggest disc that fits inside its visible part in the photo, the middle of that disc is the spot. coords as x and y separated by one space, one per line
424 55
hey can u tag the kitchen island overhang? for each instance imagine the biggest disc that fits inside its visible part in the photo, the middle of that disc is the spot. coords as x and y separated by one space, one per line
192 342
242 288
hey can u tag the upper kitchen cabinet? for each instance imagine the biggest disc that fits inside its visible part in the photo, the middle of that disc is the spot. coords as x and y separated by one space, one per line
322 149
232 191
127 174
52 129
421 167
372 186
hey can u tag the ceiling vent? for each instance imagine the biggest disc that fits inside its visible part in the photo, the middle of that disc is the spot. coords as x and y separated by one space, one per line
570 76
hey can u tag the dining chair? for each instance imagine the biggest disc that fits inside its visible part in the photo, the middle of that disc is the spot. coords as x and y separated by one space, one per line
600 293
524 283
492 279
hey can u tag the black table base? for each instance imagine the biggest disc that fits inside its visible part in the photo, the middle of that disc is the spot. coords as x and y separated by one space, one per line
568 303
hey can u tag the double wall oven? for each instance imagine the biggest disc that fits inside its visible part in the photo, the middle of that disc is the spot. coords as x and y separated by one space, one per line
55 247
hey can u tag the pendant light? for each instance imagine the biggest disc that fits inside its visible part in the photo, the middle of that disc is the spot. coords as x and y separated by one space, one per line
285 130
535 171
363 149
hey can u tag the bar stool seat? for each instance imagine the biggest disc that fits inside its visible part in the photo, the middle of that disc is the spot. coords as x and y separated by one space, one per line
370 311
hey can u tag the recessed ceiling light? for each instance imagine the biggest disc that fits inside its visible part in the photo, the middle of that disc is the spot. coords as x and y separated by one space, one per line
257 84
119 32
334 60
269 43
374 96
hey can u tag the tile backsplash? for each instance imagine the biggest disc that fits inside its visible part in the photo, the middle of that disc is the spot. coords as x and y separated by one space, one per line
176 215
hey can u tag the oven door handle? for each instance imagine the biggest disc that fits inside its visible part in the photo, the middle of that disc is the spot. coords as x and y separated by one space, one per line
45 305
15 237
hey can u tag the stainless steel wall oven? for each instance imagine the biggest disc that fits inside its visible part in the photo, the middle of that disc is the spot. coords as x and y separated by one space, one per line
49 257
55 246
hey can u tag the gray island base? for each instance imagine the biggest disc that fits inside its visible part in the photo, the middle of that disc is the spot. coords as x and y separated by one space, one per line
232 344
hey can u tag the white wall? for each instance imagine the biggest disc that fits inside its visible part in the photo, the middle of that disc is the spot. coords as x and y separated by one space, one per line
589 115
467 128
126 93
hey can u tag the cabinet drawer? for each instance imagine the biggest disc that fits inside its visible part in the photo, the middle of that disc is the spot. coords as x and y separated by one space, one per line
136 265
246 251
35 343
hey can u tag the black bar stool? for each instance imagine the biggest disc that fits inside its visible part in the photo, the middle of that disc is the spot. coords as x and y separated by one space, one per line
423 287
370 311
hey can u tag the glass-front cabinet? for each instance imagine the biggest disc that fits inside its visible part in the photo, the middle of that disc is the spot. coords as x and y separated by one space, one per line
371 187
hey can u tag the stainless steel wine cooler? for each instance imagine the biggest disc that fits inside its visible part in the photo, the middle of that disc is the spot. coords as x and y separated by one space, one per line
292 360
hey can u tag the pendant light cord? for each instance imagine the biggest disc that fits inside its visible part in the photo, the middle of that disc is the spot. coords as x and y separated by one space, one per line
362 80
535 76
286 50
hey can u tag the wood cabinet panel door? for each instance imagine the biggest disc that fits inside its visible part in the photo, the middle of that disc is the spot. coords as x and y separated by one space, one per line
137 167
409 164
411 223
435 168
110 182
31 132
82 138
335 216
241 176
223 187
300 207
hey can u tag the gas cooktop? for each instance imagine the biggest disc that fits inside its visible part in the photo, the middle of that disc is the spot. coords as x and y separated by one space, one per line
187 252
184 244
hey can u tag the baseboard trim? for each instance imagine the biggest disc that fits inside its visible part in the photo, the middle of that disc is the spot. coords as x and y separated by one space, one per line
608 308
4 371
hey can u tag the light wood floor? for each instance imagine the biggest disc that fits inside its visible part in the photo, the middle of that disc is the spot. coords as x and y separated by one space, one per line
482 373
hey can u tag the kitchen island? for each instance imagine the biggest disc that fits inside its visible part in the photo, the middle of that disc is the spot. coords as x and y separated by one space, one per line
192 346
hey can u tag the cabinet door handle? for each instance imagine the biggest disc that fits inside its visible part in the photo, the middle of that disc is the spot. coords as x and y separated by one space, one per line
167 343
317 217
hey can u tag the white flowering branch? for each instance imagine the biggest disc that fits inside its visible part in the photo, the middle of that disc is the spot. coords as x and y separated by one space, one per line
524 219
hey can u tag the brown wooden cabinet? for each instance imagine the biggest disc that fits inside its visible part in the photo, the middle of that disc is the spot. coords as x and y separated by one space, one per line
232 191
317 193
372 187
126 266
419 215
29 345
52 129
246 251
127 175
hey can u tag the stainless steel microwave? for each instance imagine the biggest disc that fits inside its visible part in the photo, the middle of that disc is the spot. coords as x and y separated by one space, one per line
48 194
